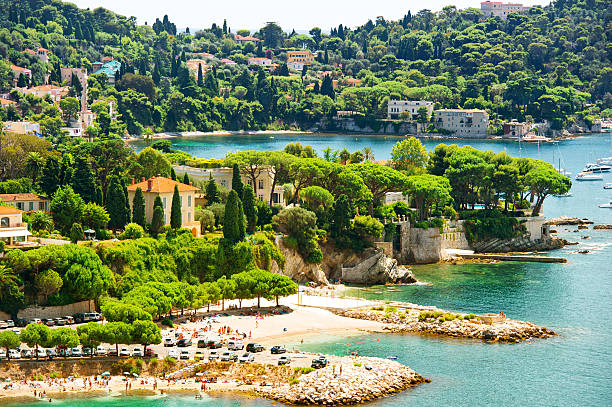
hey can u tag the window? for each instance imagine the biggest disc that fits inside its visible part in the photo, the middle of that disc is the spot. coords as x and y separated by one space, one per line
41 206
164 202
20 205
260 197
224 183
4 222
189 201
189 217
31 206
261 184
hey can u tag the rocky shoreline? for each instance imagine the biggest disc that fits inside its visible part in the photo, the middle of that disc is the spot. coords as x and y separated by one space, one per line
349 381
432 321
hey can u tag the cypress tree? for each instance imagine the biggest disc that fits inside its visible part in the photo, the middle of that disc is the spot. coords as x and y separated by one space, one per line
200 76
237 184
83 180
22 82
172 174
115 205
212 192
99 198
138 208
233 223
49 182
186 179
176 216
157 222
248 204
66 170
128 212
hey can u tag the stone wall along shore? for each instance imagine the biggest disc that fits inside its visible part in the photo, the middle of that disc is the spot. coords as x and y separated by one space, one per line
407 321
362 379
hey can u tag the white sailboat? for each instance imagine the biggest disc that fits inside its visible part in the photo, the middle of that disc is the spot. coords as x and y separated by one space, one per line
606 205
608 185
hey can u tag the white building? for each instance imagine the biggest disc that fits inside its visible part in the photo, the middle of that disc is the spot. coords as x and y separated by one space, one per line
22 127
12 229
260 61
396 107
392 197
499 9
463 123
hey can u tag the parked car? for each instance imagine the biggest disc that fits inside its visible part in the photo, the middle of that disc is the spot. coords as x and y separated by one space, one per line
169 341
215 344
150 353
125 351
40 353
2 354
35 321
3 325
319 363
69 320
51 353
228 356
173 354
202 343
26 353
277 350
76 352
185 354
93 316
87 351
199 355
246 357
63 352
48 321
137 352
14 354
111 351
10 323
21 322
254 348
60 321
284 360
235 345
101 351
213 355
183 343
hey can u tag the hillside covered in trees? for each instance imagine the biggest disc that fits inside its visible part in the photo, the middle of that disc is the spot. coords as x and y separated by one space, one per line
551 63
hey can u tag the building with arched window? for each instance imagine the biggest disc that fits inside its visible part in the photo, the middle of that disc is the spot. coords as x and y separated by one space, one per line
13 231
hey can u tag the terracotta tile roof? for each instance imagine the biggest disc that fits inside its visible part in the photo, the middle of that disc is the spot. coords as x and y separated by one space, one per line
18 68
9 210
22 197
239 37
161 185
4 102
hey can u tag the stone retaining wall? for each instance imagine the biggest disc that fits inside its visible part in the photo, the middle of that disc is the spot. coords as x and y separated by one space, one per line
55 312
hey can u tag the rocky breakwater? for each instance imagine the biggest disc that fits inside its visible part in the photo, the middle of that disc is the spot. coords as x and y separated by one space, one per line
348 381
488 327
567 220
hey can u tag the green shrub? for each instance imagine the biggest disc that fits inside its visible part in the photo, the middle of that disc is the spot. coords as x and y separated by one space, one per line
132 231
293 381
390 309
168 323
378 308
357 364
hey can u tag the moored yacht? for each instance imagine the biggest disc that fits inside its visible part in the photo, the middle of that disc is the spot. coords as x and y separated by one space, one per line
585 176
606 205
605 161
608 185
596 168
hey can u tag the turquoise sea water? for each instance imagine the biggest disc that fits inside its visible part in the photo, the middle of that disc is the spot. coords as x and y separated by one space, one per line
574 299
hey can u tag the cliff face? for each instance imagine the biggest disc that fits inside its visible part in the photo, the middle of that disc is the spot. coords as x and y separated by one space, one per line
370 266
420 246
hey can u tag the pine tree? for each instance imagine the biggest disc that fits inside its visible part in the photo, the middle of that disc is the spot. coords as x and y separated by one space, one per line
115 205
138 208
212 192
22 82
248 205
341 217
156 74
176 216
233 223
66 170
83 180
50 180
237 184
186 179
172 174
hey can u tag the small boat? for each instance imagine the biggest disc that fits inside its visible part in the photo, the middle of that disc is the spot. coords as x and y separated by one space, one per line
392 357
532 138
597 168
585 176
608 185
565 195
605 161
607 205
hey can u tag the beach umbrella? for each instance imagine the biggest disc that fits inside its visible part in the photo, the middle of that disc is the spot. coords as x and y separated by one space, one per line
105 374
199 374
126 373
135 374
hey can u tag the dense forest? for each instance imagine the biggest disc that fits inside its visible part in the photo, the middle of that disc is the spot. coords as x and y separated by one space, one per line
550 63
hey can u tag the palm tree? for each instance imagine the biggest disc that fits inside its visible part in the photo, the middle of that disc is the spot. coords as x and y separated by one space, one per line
34 164
368 154
7 278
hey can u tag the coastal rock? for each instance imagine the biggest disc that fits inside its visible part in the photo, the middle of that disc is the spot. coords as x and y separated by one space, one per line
297 268
377 269
602 227
518 244
350 381
408 321
567 220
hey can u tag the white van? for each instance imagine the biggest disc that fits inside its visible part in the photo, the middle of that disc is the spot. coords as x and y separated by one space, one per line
235 345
